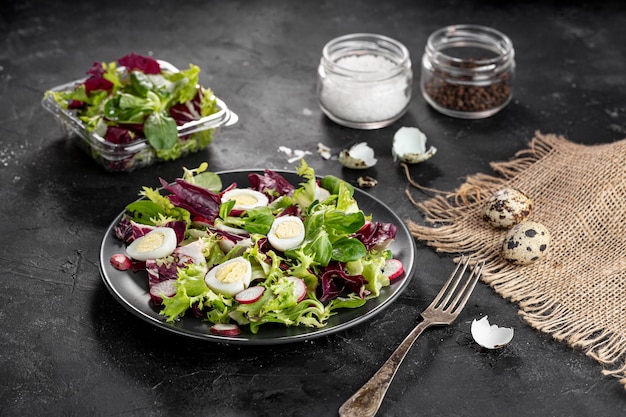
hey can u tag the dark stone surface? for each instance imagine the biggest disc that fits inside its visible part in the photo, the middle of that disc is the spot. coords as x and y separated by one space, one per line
68 348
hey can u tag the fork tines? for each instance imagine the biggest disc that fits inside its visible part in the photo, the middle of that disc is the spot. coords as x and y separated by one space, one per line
451 299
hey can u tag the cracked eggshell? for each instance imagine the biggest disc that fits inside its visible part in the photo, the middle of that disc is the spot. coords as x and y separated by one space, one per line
324 151
506 208
359 156
367 181
490 336
409 145
526 243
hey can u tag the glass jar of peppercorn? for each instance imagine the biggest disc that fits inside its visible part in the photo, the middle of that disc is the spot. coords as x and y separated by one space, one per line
467 71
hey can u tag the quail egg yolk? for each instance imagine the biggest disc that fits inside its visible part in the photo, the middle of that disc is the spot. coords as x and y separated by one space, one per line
151 242
287 230
231 273
245 199
286 233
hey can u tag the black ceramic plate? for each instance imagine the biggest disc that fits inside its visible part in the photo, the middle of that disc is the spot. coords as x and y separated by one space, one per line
131 288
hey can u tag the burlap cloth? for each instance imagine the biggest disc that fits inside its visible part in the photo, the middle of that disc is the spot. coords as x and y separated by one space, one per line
577 293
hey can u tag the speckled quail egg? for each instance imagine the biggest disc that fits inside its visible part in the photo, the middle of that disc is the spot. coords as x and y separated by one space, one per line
229 277
506 208
526 243
158 243
359 156
245 198
287 232
409 145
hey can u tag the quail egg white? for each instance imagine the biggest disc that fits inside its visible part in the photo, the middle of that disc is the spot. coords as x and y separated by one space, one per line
409 145
229 277
506 208
245 198
229 229
359 156
287 232
526 243
158 243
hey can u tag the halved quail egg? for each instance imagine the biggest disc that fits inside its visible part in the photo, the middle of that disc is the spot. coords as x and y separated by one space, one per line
245 198
229 277
287 232
409 145
359 156
158 243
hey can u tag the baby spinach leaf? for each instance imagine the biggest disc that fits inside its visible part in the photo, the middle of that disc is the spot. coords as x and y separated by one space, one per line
348 249
140 83
126 108
161 131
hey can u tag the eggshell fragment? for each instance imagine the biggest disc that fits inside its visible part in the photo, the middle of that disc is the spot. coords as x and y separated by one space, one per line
409 145
366 181
490 336
324 151
526 243
359 156
506 208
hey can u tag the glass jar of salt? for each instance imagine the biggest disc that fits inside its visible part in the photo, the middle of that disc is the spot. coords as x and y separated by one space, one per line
365 81
467 71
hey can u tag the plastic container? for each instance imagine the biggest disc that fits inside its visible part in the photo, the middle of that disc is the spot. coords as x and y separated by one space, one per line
126 157
365 81
467 71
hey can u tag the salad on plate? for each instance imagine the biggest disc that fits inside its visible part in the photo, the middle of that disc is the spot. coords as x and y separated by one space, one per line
273 252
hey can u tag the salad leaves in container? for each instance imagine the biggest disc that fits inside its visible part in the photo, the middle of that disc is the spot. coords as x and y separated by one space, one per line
137 111
340 261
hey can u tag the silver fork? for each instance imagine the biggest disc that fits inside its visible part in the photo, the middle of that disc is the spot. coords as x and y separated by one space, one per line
444 309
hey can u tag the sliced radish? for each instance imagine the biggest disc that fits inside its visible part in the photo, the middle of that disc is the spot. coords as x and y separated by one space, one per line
393 268
199 221
121 262
300 287
162 289
225 329
250 294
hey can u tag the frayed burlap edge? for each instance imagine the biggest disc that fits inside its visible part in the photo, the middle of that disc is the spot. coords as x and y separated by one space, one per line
445 214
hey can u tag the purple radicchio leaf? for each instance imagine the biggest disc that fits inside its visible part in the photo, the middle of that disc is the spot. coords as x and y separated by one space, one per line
375 235
189 111
96 80
145 64
118 135
124 229
271 181
336 282
199 201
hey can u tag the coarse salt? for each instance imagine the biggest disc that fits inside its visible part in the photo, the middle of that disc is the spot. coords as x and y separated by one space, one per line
366 63
368 95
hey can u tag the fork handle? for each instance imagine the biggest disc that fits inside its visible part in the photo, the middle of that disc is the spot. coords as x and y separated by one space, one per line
367 400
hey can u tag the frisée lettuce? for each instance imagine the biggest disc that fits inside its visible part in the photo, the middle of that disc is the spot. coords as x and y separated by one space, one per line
338 264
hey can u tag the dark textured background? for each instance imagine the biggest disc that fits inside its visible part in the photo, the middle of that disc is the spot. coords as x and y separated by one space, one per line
68 348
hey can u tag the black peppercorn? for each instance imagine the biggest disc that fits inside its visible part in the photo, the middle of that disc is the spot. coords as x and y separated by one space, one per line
467 71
